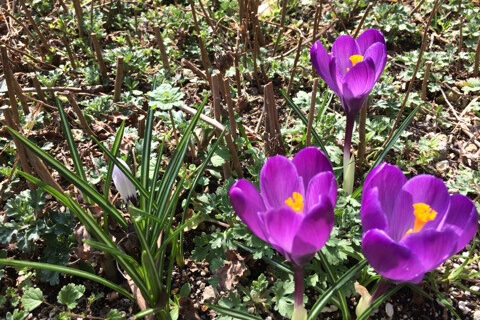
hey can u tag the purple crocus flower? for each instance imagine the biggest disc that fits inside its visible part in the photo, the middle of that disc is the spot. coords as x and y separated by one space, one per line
351 70
294 212
410 227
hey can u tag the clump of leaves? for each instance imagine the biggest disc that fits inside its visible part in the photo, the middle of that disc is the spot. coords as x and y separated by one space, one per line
24 225
165 97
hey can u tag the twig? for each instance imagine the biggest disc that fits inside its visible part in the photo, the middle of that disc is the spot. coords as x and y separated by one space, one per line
282 23
316 21
79 15
417 66
21 152
236 57
233 151
118 79
311 112
417 7
98 53
13 87
70 53
38 88
428 66
231 113
89 89
215 84
477 59
28 55
460 36
27 31
10 86
78 112
34 25
273 137
163 50
360 24
292 73
214 123
187 64
203 51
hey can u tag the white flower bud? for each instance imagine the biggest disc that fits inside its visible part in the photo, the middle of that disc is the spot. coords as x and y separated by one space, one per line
124 186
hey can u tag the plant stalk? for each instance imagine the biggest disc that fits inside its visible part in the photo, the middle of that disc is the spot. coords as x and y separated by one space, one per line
346 151
299 312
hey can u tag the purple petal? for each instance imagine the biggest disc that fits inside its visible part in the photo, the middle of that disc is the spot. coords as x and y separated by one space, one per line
321 62
373 216
432 191
247 203
280 228
462 217
377 52
368 38
390 259
278 180
387 180
358 83
342 49
322 185
309 162
431 247
402 217
313 232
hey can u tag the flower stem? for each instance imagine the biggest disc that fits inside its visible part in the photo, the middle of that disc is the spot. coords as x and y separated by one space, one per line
347 180
299 312
382 287
298 277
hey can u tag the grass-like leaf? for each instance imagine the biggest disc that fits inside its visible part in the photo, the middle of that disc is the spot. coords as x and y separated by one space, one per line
147 144
341 297
170 175
233 313
379 301
302 117
77 162
325 297
115 147
66 270
84 187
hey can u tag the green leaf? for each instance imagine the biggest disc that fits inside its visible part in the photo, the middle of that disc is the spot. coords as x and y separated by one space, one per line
217 161
73 178
66 270
32 298
233 313
395 137
71 145
114 314
325 297
69 295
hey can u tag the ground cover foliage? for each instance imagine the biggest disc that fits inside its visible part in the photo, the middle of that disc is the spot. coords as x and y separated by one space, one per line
190 113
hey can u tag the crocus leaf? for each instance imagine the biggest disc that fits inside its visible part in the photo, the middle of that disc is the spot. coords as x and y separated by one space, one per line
236 314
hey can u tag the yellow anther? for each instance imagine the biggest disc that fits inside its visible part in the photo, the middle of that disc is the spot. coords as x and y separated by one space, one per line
423 213
356 58
295 202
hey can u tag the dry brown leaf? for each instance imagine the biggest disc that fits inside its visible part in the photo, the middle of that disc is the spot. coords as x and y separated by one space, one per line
231 272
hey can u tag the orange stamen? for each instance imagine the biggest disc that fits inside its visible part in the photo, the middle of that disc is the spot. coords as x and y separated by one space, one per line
423 213
295 202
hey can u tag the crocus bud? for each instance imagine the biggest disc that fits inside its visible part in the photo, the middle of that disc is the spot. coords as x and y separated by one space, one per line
124 186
